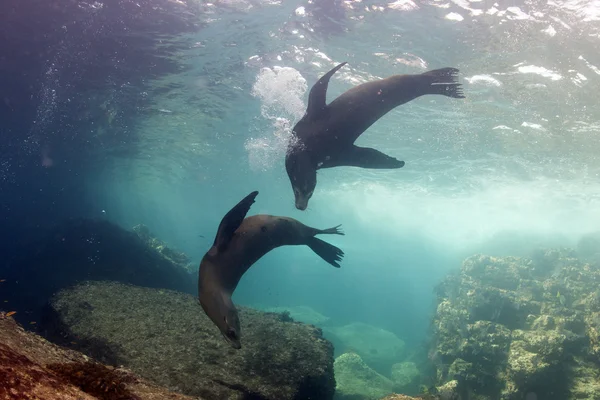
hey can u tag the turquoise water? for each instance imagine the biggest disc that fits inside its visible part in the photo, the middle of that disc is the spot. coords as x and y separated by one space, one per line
176 140
512 167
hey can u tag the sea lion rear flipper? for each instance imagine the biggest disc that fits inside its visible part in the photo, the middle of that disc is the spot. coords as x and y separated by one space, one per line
326 251
444 81
364 157
232 220
317 99
331 231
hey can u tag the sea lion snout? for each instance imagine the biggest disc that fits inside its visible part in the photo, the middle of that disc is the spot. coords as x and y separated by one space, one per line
232 338
303 194
231 329
302 173
301 201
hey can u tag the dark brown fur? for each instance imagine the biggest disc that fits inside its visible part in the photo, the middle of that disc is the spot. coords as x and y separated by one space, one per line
325 136
257 235
240 242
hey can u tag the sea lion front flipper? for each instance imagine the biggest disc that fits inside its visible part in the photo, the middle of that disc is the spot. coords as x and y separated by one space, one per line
232 220
326 251
317 99
364 157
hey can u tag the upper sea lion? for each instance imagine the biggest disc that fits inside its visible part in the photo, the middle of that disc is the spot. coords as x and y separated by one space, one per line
325 135
239 243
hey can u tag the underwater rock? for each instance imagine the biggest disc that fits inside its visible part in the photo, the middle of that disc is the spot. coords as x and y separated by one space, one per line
165 337
588 247
303 314
406 376
449 391
461 370
526 367
508 327
33 368
586 381
82 249
405 397
356 381
379 348
176 257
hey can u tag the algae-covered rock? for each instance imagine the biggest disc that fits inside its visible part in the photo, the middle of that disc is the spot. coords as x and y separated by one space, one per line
588 247
176 257
449 391
33 368
586 381
379 348
299 313
487 341
405 397
164 336
462 371
406 376
526 368
508 327
356 381
537 358
542 322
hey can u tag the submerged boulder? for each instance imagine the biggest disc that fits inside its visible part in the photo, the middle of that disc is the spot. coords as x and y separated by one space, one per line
396 396
298 313
33 368
165 337
82 249
176 257
406 378
356 381
379 348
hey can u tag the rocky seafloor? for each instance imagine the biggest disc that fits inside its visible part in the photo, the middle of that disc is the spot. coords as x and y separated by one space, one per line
165 337
509 328
505 328
33 368
121 312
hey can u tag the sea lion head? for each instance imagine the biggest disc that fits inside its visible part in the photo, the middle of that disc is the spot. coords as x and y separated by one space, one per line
302 175
222 312
230 328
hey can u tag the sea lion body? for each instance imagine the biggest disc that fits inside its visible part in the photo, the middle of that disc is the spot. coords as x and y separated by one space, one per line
325 136
239 243
256 236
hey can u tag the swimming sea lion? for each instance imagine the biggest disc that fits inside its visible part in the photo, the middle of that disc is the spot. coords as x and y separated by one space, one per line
239 243
325 135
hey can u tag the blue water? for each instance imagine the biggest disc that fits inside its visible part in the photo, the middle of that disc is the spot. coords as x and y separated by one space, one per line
512 167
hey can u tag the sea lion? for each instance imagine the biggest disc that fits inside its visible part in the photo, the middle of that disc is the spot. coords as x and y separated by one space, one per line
325 136
239 243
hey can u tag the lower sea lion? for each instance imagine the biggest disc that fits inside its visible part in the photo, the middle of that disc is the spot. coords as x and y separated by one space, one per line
325 135
239 243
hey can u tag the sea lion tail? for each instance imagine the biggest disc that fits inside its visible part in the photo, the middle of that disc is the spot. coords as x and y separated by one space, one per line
326 251
332 231
444 81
